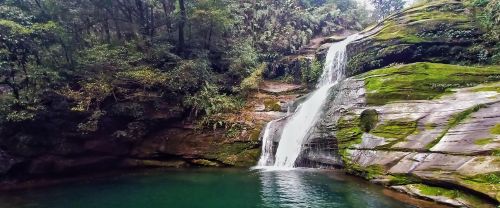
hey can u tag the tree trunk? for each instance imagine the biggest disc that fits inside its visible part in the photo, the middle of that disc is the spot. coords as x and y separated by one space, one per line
152 23
142 22
106 30
182 23
167 9
209 39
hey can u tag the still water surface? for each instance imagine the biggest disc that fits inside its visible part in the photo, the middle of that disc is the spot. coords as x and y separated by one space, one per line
207 188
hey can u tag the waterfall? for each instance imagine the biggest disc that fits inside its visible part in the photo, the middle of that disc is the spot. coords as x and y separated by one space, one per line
306 115
267 146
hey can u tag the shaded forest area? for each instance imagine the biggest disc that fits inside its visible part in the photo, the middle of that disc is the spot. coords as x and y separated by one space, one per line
90 68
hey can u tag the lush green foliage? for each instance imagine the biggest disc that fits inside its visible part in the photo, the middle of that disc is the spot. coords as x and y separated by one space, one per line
313 73
487 14
211 103
252 82
143 53
383 8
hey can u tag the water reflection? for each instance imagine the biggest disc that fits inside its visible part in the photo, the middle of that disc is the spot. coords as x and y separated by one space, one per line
204 188
310 188
292 189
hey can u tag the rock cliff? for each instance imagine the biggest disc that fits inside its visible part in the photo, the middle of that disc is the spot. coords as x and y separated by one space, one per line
431 130
441 31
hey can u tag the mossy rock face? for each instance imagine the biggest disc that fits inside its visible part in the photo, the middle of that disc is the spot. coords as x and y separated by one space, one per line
419 105
439 31
272 105
495 129
348 131
241 154
454 121
423 81
436 191
403 179
398 129
486 183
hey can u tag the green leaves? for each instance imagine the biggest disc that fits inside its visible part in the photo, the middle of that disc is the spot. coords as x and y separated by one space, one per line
102 55
210 102
244 58
144 76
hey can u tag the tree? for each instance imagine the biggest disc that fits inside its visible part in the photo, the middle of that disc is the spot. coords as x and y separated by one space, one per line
384 8
182 23
95 54
24 67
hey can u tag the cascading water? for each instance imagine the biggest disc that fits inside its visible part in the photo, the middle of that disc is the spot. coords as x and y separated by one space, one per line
300 123
267 146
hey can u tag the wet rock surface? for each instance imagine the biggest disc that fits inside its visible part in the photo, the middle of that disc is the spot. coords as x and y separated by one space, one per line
456 157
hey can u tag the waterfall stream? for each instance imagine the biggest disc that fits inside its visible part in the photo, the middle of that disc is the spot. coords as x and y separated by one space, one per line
298 126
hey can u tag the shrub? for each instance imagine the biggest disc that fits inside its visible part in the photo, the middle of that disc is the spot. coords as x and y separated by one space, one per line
310 75
188 76
144 76
252 82
211 103
243 59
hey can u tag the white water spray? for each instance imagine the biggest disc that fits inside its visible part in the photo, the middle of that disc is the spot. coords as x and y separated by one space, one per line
306 115
267 146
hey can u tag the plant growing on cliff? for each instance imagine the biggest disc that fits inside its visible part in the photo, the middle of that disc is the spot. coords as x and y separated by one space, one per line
252 82
310 75
210 103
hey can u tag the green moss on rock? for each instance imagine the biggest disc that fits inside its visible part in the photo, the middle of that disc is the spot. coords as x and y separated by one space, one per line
488 183
469 199
272 105
398 129
483 141
437 191
437 31
369 172
246 158
423 81
372 171
243 154
255 134
348 131
491 178
495 129
492 87
403 179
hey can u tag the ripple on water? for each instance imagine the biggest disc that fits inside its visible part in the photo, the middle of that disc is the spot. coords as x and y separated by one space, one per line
208 188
